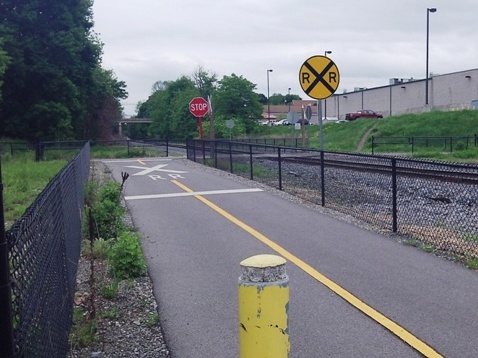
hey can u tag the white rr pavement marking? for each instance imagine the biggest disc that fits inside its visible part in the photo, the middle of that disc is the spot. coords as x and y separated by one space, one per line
156 168
173 195
136 160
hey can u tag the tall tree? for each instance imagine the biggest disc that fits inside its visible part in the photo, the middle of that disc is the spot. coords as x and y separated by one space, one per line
104 107
168 108
235 99
4 59
235 96
205 82
54 68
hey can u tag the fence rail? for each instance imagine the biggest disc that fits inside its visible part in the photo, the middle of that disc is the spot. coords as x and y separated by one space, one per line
446 144
43 253
432 203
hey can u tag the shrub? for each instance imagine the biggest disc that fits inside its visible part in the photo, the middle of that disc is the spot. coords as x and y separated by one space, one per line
108 212
126 258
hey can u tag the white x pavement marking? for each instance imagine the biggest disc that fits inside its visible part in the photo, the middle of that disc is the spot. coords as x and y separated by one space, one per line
156 168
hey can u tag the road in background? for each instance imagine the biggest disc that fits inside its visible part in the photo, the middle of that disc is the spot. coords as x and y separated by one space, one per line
194 251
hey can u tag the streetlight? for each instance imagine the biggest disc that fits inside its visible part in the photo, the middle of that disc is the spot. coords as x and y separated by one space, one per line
325 100
289 99
268 104
429 10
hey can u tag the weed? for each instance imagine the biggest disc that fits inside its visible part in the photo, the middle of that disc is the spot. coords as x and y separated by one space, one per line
83 333
472 262
428 248
126 258
110 290
471 237
152 319
411 242
78 314
112 313
108 211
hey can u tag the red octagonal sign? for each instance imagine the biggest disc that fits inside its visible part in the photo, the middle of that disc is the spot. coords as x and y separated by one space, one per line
198 107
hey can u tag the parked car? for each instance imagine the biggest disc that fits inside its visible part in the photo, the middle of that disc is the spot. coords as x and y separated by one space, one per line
280 122
306 122
287 123
362 113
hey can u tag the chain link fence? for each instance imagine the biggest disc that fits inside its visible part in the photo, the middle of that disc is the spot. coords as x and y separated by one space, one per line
429 203
43 253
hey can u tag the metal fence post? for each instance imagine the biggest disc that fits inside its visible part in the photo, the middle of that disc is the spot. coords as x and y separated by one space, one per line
394 195
230 157
279 162
250 162
6 317
322 176
263 307
39 152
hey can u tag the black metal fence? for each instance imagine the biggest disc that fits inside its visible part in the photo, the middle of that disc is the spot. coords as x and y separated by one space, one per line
411 144
434 203
43 253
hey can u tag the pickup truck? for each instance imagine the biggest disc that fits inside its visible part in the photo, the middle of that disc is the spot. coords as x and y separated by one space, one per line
363 113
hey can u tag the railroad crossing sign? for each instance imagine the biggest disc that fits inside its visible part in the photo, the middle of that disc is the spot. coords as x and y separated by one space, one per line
198 107
319 77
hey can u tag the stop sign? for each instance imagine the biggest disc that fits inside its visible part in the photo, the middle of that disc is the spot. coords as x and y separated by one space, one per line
198 107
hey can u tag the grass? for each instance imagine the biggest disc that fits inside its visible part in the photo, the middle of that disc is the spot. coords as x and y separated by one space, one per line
85 329
23 180
258 171
346 136
115 152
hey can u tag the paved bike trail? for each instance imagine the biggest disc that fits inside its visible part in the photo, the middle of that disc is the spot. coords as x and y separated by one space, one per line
193 253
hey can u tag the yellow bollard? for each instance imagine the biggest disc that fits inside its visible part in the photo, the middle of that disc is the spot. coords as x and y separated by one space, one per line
263 308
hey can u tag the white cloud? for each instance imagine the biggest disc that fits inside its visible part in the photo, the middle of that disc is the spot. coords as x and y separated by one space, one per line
372 40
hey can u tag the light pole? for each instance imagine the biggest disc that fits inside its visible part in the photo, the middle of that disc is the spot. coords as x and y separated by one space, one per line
268 104
325 100
429 10
289 99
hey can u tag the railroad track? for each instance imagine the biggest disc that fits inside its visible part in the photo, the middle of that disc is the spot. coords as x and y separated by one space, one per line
453 173
382 165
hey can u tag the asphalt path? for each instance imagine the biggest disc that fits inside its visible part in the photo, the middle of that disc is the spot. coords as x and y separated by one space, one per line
410 303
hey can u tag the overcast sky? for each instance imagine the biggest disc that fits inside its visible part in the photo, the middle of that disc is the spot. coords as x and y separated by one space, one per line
371 40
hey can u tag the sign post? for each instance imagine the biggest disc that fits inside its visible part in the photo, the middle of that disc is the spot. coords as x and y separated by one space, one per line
319 78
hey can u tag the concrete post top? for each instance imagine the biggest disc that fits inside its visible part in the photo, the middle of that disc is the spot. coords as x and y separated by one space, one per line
263 268
262 261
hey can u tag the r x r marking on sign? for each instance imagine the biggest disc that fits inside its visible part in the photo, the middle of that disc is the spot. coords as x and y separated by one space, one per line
319 77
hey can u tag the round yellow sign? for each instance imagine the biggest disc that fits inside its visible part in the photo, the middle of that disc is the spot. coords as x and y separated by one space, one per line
319 77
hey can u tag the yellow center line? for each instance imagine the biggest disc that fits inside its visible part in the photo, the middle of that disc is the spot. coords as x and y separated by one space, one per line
393 327
141 162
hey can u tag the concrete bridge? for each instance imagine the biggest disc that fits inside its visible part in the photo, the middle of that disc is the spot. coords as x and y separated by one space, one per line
135 120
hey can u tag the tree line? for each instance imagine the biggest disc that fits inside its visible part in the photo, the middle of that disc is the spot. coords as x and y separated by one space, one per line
52 85
232 98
